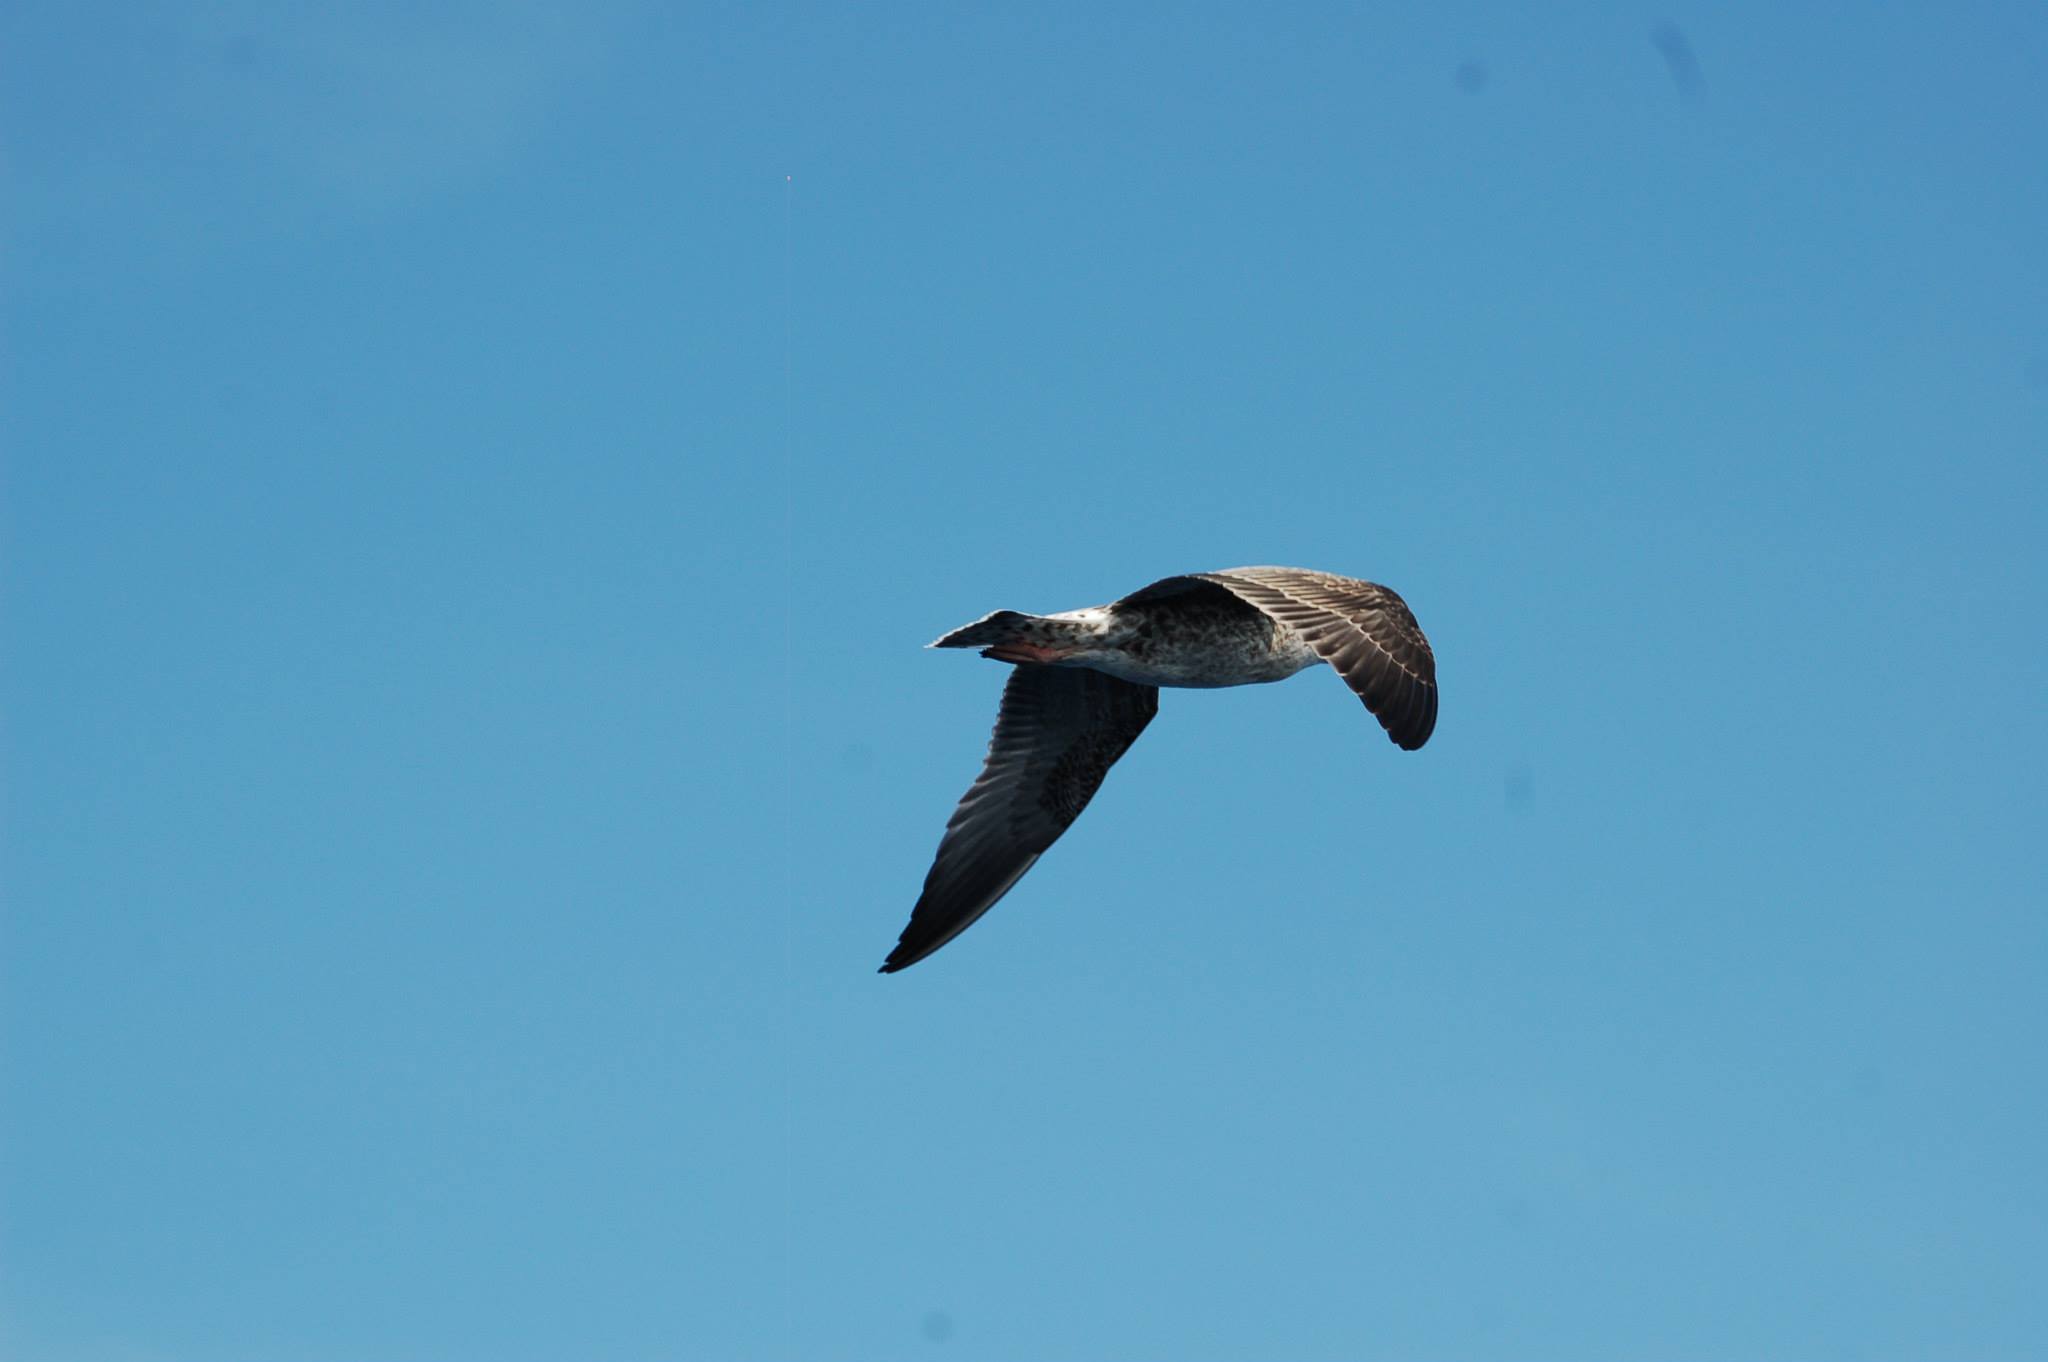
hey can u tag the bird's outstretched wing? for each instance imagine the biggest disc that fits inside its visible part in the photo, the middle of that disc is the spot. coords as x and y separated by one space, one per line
1059 731
1361 628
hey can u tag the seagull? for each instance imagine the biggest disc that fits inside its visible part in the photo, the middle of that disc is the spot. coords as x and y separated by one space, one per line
1086 682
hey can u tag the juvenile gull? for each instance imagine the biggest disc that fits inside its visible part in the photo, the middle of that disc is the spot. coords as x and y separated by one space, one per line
1087 682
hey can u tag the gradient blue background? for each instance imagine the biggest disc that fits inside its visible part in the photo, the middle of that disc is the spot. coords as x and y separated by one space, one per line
470 527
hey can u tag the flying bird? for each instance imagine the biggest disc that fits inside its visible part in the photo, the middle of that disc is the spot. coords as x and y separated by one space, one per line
1086 682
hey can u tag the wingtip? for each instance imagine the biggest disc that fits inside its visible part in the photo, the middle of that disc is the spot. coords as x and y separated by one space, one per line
905 955
1412 740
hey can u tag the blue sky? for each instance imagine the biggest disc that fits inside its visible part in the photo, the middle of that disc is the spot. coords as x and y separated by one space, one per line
477 484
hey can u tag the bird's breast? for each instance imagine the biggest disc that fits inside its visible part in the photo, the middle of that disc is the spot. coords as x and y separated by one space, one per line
1174 650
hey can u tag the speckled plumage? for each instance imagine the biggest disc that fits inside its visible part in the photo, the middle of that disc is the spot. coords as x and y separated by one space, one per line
1087 682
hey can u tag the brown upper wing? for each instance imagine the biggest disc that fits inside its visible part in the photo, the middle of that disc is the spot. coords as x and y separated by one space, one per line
1362 629
1057 734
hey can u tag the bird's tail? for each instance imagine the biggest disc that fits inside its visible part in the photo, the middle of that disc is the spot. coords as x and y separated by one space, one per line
1011 636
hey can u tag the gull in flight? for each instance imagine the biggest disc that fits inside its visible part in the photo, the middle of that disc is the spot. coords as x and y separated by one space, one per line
1086 682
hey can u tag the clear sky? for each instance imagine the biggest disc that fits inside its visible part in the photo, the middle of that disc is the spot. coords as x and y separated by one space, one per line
478 481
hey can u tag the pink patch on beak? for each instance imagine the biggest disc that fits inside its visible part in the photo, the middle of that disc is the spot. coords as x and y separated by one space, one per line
1023 652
